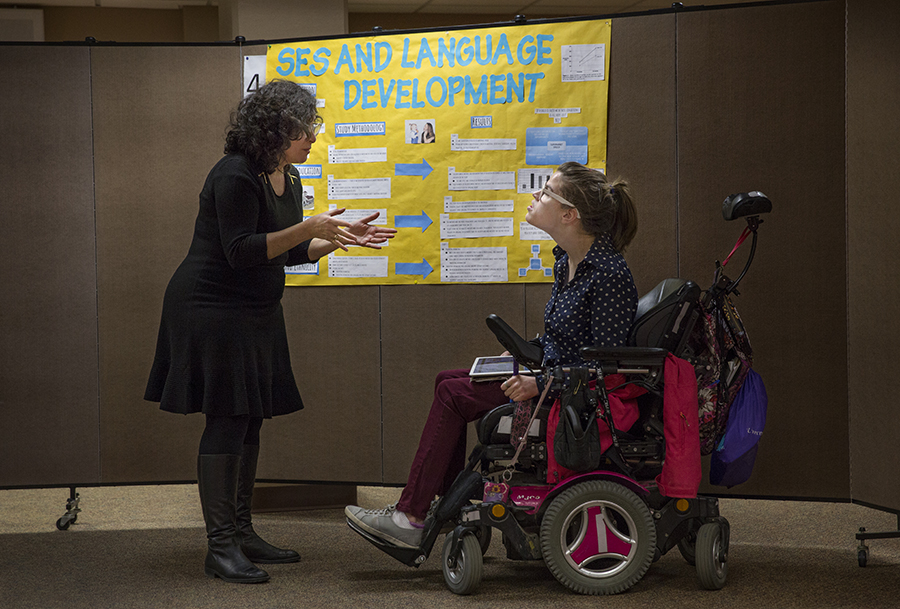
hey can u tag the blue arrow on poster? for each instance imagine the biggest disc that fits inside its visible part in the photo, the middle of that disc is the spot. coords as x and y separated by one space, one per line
413 268
422 221
412 169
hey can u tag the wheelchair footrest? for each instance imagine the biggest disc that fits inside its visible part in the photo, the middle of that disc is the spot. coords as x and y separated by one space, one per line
412 557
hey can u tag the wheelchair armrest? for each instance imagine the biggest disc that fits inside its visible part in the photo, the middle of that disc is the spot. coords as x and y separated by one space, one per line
526 353
620 359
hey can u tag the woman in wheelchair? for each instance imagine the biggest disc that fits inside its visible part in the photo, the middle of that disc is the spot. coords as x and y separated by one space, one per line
593 301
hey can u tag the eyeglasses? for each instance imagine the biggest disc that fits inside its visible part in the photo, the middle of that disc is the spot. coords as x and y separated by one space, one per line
544 191
314 128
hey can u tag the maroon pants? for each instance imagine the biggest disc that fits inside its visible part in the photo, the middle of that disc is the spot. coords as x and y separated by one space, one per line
442 449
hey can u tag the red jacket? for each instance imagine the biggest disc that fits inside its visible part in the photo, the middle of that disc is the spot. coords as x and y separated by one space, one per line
681 471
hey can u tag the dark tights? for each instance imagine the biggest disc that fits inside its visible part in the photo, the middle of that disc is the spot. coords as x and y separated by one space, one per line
227 435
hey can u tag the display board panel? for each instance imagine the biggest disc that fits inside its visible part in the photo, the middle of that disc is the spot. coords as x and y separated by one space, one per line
770 117
159 116
446 135
48 294
873 248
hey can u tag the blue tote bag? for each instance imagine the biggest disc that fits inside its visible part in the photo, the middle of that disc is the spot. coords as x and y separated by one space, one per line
734 457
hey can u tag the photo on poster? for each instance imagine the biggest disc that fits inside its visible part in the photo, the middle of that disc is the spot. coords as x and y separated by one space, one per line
309 198
420 131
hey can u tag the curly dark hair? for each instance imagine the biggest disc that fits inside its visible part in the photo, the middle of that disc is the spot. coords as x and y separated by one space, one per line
264 123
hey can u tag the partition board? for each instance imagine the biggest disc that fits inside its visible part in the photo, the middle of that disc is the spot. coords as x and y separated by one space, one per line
48 296
642 140
167 108
702 104
761 107
426 329
873 148
159 123
641 149
336 355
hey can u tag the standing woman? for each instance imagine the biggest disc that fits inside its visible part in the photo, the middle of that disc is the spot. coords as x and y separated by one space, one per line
222 348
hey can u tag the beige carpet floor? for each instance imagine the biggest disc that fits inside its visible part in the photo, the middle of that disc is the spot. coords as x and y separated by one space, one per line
143 547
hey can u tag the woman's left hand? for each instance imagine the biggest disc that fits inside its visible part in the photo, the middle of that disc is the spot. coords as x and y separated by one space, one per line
368 235
520 387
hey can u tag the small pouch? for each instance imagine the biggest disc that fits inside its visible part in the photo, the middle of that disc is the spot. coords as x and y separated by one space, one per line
496 492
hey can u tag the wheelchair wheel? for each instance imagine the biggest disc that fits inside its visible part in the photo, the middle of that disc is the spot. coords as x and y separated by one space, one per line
712 557
598 537
463 577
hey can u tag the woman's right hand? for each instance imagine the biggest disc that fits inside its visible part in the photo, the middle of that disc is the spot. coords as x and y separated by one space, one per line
520 387
328 227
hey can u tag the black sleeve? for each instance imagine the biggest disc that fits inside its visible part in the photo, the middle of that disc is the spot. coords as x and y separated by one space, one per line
299 254
238 198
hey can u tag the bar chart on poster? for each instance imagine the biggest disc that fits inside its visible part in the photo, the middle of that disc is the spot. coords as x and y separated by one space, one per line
447 134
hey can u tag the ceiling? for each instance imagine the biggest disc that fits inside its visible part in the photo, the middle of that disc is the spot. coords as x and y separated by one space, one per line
504 7
515 7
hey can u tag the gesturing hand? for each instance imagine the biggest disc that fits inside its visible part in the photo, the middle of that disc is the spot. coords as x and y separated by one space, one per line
368 235
330 228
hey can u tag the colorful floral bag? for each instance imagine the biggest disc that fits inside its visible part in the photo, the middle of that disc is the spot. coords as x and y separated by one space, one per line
720 351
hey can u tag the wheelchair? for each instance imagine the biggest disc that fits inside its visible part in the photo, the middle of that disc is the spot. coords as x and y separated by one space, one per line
598 531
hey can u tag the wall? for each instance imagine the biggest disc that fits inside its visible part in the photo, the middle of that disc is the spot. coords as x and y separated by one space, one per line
75 23
365 22
697 112
274 19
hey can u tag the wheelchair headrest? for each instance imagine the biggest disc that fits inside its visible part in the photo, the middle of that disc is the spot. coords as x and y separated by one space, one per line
746 204
665 315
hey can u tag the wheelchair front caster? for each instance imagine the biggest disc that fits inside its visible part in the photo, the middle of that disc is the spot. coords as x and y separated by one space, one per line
462 572
687 545
484 538
71 514
862 555
712 556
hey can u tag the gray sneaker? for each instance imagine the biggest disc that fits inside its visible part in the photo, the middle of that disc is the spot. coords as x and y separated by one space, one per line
379 524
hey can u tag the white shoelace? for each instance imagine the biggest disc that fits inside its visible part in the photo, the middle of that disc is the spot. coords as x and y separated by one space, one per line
385 511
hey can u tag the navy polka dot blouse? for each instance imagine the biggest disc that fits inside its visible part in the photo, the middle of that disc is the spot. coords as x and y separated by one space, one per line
596 308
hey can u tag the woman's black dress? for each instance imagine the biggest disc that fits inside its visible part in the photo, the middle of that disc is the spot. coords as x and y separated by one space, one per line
222 347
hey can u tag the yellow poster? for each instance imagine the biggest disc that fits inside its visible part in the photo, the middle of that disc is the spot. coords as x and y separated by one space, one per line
447 134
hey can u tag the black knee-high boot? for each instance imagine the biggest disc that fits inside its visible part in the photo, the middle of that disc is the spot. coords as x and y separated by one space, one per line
218 480
254 548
